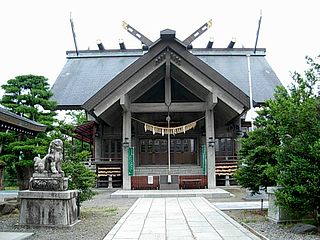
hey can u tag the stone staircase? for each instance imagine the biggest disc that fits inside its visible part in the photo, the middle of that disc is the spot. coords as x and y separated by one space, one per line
156 170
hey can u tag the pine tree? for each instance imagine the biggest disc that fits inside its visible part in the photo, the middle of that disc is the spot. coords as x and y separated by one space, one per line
27 96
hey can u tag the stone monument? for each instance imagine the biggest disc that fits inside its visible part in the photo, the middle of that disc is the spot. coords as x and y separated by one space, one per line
278 214
48 202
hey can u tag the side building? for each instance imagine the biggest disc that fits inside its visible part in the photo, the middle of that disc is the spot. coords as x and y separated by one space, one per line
168 111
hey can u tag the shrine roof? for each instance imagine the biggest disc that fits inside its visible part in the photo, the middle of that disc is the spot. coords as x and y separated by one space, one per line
11 121
86 73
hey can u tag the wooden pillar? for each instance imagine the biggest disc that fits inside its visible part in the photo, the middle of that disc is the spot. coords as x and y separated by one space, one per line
167 80
98 142
211 173
126 136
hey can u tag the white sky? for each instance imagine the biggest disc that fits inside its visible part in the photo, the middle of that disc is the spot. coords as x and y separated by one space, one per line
34 35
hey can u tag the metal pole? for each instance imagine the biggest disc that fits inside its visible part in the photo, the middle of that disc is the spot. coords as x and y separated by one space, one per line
250 90
74 35
169 160
258 31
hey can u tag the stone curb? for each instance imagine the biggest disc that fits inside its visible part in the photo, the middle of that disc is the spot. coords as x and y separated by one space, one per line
254 231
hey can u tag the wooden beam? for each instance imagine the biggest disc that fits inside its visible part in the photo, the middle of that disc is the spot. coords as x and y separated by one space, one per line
174 107
212 100
138 77
146 85
189 83
230 101
126 74
211 86
167 81
125 102
137 34
210 73
198 33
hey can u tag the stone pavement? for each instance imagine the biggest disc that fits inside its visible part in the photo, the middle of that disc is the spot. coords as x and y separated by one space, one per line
8 194
177 218
14 235
241 205
208 193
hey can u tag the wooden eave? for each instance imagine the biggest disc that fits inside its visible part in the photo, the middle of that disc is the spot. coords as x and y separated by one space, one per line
86 132
16 123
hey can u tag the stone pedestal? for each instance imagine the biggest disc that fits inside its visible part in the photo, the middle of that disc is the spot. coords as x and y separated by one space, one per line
278 214
48 182
165 185
275 213
48 208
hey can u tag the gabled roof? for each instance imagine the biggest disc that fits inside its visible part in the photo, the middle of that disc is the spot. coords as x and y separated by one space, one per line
11 121
85 76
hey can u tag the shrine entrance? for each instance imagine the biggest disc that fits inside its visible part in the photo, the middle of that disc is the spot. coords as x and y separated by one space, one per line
155 151
167 108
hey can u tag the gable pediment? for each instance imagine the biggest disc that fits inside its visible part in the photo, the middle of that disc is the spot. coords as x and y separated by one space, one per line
156 94
168 58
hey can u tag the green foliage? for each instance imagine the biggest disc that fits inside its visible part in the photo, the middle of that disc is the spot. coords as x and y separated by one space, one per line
10 174
74 149
78 117
75 153
25 163
285 148
82 178
257 159
27 96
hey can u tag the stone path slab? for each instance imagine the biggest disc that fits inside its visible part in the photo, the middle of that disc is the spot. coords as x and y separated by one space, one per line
241 205
15 235
8 194
177 218
208 193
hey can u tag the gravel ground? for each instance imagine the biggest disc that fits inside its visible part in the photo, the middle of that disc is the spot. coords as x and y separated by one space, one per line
100 214
257 220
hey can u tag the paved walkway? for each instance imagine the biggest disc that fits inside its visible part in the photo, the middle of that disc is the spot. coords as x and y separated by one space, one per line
15 235
241 205
177 218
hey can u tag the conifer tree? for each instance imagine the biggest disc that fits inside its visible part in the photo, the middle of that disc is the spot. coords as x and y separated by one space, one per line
27 96
285 148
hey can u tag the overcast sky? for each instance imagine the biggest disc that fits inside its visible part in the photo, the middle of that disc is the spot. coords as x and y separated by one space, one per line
35 34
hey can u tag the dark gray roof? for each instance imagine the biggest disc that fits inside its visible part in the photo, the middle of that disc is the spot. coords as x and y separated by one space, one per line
9 120
83 75
235 69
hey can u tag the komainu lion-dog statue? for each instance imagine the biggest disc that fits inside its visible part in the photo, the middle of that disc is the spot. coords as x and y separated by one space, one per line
51 163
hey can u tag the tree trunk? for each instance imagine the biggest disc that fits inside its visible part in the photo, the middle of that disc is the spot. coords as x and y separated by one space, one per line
23 176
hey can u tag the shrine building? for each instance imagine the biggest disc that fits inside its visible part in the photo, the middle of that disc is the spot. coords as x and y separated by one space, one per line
166 116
